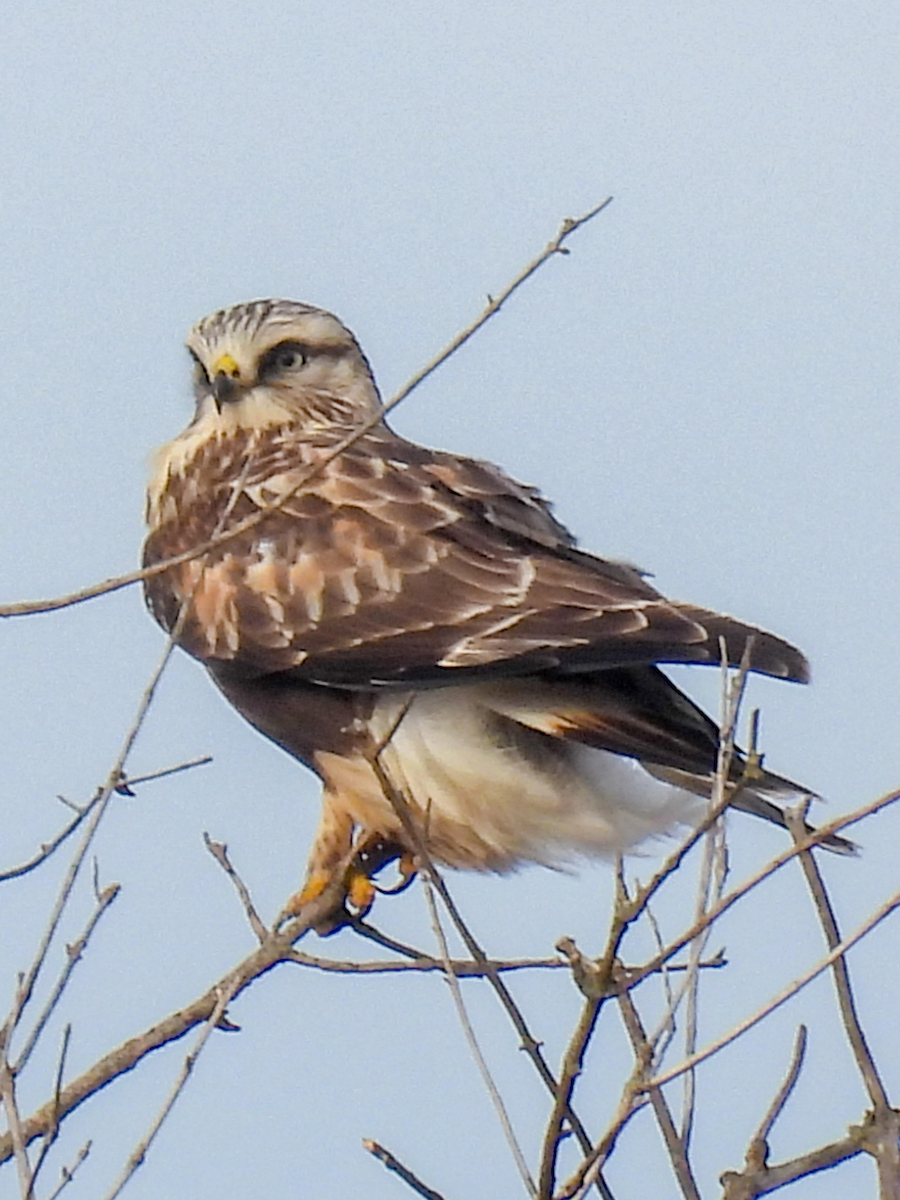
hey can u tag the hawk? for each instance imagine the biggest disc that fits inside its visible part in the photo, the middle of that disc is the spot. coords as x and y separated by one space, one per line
400 595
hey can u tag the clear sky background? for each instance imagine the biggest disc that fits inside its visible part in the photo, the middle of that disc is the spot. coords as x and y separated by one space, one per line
706 386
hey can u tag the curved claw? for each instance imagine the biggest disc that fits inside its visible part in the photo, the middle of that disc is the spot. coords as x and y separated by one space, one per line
407 869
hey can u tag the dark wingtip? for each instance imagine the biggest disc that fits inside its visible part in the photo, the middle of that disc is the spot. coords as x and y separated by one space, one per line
769 654
838 845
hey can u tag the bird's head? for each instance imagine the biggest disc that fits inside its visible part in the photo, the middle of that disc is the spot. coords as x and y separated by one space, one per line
273 362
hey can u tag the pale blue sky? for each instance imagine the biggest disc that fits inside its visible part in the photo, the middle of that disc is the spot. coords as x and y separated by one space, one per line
707 386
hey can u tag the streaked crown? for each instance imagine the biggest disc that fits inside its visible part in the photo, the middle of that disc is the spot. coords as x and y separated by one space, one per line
295 357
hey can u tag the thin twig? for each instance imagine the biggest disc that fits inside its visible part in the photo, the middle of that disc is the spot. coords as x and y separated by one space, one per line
664 1034
393 1164
556 246
138 1155
588 1172
461 968
571 1067
714 865
277 949
53 1131
113 783
528 1042
364 929
73 956
758 1150
812 838
469 1033
49 847
883 1141
67 1174
676 1144
855 1036
219 851
26 987
133 781
791 990
14 1123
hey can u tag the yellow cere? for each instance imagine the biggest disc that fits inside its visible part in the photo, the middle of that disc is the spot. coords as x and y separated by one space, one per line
226 365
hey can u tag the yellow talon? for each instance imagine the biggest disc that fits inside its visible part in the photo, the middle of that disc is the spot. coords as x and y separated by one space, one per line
360 890
316 883
406 866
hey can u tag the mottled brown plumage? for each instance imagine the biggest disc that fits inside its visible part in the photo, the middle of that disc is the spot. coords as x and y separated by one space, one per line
398 573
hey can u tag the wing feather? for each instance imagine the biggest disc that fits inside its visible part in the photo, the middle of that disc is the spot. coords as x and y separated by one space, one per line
398 565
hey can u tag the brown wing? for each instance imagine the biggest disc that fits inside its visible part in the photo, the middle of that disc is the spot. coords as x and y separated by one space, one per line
400 566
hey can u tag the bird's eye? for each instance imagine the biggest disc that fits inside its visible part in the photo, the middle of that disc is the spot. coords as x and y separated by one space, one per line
287 356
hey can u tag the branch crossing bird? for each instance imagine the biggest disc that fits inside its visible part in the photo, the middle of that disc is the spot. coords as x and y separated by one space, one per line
399 583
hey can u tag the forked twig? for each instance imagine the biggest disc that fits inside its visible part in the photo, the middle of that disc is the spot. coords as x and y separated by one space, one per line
752 1180
810 839
676 1143
277 949
67 1174
469 1033
781 1097
882 1142
74 952
219 851
48 848
554 247
783 996
138 1155
528 1042
53 1131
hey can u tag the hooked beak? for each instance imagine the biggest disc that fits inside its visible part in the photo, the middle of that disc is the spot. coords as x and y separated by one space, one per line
226 380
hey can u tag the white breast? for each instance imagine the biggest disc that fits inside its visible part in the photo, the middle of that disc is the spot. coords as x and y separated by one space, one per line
502 793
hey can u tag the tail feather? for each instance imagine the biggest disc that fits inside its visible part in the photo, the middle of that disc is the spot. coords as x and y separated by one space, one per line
764 798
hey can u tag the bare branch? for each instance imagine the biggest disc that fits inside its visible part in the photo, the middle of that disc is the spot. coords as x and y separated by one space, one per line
883 1140
529 1044
714 866
219 851
496 1099
461 968
556 246
846 1002
73 956
782 1096
277 949
393 1164
134 780
48 848
751 1182
139 1154
364 929
813 838
676 1144
743 1186
26 987
572 1062
16 1134
588 1173
67 1174
122 787
53 1131
791 990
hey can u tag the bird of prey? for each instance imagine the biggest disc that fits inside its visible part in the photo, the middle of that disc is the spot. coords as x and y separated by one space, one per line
395 594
